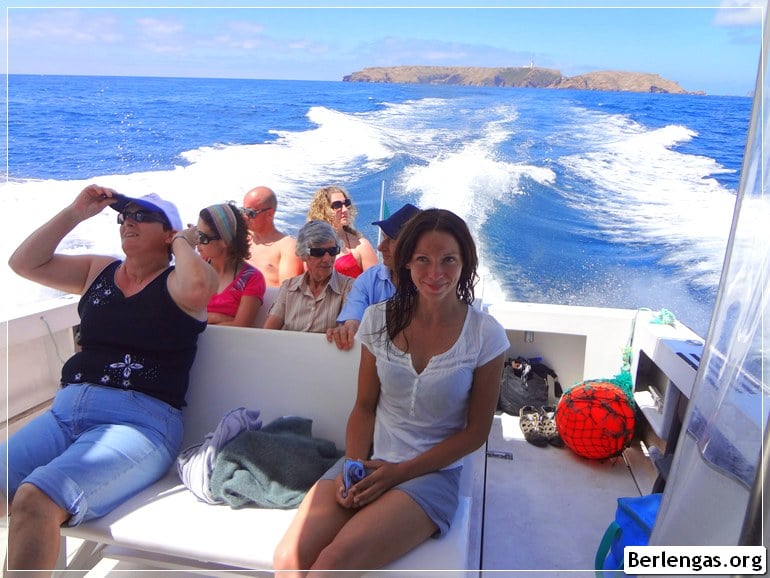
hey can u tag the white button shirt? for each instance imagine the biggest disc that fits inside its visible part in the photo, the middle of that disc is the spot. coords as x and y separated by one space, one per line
416 411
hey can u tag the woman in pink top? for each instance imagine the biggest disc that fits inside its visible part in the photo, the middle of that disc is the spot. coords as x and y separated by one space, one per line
333 205
223 242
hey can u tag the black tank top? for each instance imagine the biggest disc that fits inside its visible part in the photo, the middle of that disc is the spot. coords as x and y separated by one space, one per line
144 342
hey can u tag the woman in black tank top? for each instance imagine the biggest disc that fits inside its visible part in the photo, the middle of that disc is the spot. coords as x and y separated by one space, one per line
121 392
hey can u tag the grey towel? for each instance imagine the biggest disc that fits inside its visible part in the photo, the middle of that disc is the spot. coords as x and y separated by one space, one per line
195 463
273 467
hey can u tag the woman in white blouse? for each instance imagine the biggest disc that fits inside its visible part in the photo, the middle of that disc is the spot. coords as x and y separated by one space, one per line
427 392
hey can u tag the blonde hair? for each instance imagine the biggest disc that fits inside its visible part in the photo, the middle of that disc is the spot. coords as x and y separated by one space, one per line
321 208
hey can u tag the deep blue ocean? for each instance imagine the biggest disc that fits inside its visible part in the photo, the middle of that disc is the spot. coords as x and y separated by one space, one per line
574 197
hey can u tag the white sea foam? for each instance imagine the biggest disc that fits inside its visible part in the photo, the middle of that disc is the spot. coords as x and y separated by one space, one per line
643 191
340 149
626 179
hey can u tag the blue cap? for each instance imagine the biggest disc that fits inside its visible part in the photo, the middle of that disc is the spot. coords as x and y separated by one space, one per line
154 203
392 225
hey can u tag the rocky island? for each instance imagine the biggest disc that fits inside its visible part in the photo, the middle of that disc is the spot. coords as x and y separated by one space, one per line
520 77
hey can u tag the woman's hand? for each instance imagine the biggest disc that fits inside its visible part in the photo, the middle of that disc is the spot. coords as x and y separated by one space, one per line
36 258
193 281
382 476
91 200
346 501
190 234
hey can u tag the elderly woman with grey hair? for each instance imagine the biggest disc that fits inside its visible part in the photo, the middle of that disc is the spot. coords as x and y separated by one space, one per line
312 301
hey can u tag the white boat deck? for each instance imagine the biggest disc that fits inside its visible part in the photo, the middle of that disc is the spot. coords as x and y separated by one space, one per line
545 509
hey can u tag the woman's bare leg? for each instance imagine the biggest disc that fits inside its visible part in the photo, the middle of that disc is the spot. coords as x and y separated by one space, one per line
318 520
377 534
33 532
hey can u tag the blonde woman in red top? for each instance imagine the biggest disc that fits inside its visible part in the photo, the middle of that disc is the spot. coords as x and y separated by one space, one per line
334 205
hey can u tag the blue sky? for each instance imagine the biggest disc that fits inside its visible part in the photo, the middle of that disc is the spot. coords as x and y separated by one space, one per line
711 46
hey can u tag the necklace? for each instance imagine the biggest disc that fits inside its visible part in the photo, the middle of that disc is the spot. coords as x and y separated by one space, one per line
128 277
135 280
265 243
267 239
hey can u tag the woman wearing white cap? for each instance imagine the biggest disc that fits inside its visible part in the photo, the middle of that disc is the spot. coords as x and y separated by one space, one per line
223 241
115 425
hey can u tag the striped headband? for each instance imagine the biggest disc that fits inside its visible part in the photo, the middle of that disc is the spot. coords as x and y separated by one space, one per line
224 221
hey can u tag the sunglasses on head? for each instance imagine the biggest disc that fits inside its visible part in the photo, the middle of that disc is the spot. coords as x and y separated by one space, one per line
321 251
337 205
251 213
204 239
141 216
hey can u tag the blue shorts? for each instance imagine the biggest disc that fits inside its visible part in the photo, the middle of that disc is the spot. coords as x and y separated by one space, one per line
95 448
436 493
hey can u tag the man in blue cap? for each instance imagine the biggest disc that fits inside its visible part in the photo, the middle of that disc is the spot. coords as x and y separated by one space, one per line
373 285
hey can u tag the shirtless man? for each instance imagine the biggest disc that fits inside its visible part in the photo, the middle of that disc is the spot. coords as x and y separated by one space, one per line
272 252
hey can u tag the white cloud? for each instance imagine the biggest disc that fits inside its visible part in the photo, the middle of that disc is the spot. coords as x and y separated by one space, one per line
160 36
64 26
156 28
236 43
740 13
392 51
251 37
445 55
247 28
308 46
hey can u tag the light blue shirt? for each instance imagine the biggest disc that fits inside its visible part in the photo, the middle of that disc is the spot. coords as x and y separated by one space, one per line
370 287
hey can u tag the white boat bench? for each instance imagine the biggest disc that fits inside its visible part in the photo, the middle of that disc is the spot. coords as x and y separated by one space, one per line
279 373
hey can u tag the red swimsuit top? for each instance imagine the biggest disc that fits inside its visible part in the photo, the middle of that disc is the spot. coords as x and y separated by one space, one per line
347 265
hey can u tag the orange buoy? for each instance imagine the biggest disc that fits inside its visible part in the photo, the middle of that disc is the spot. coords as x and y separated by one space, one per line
595 419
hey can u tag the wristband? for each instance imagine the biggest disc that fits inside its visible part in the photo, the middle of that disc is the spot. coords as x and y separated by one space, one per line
181 237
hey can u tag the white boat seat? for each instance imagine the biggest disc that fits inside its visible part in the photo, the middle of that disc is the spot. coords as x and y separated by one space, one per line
167 522
280 373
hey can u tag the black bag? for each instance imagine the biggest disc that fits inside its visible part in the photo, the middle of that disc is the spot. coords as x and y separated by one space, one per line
524 382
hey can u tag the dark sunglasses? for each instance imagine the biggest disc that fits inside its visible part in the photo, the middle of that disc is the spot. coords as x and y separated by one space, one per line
321 251
141 216
204 239
337 205
251 213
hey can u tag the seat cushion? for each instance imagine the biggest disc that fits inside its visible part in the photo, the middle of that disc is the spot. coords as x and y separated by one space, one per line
167 519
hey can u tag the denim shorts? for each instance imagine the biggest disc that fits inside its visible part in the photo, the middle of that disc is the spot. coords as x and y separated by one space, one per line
437 493
95 448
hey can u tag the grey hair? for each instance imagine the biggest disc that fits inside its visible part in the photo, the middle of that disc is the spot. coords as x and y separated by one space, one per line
315 233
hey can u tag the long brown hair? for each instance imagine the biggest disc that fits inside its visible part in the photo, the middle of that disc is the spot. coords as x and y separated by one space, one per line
400 307
240 248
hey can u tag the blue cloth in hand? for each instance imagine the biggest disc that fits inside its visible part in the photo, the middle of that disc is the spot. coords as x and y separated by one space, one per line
352 471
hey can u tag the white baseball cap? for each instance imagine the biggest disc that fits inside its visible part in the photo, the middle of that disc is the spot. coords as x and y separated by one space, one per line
154 203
